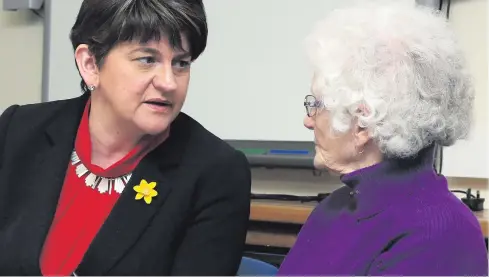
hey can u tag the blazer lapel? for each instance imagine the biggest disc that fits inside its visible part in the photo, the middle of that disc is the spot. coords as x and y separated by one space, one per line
130 217
44 176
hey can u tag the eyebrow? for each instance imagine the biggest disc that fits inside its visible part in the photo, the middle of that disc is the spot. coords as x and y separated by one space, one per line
183 55
147 50
153 51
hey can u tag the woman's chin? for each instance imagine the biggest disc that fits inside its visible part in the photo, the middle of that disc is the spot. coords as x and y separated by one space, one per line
320 165
153 130
154 127
334 173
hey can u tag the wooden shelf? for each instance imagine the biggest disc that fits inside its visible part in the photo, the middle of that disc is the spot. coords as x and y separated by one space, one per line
281 211
290 212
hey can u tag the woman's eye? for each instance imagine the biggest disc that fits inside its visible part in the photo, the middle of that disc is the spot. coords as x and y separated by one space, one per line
182 64
147 60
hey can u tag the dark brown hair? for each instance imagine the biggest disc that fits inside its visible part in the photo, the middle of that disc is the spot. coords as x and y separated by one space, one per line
102 24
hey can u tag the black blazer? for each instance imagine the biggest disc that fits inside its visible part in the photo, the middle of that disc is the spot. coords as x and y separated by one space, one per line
195 226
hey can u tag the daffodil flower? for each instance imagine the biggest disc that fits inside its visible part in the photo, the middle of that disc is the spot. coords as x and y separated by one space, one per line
145 191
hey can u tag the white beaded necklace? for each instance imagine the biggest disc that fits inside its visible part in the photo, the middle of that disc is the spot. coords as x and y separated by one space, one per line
102 184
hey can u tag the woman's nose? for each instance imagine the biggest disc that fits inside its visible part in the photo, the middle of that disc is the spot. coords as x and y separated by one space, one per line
309 122
165 80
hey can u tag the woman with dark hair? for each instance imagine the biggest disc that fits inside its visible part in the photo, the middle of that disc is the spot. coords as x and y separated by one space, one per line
118 181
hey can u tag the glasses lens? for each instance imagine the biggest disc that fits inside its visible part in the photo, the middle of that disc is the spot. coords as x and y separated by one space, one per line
310 104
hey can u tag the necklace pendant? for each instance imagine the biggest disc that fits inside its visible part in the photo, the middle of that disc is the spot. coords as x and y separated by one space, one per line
101 184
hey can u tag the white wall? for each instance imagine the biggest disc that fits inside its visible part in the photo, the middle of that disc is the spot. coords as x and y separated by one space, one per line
21 41
469 19
21 36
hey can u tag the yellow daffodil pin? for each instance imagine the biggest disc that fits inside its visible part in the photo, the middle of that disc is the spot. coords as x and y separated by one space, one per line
146 190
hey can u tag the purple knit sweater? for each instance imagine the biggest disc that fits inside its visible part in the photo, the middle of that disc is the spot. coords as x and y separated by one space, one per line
394 218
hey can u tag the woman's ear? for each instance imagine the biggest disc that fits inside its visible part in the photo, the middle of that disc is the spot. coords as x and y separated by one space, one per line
362 136
87 65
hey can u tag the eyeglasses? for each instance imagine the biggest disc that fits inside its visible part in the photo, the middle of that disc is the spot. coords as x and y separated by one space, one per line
311 105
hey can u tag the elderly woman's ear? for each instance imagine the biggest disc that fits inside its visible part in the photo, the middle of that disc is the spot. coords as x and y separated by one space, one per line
360 132
361 138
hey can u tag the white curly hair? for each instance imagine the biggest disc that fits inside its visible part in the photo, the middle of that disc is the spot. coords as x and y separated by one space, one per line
395 69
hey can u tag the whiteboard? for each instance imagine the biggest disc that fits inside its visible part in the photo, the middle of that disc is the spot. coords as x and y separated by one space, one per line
250 82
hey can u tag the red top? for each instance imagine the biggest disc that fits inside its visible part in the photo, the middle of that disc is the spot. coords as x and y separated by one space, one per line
81 209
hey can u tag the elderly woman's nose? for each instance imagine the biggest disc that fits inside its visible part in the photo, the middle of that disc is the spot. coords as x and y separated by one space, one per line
309 122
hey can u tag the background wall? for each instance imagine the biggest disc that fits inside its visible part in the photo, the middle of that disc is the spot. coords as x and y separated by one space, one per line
21 35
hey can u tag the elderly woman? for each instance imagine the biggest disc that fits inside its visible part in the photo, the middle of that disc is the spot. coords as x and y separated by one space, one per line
119 181
389 85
